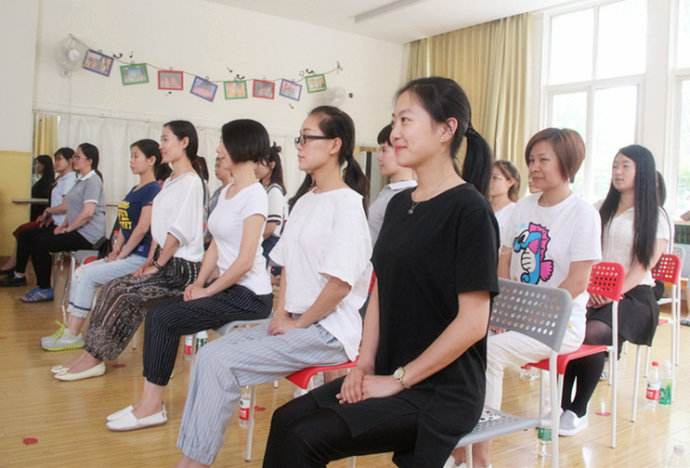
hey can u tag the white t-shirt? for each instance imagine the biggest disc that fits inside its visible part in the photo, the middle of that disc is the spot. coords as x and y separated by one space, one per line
619 238
327 235
63 184
503 215
544 242
226 225
178 210
276 207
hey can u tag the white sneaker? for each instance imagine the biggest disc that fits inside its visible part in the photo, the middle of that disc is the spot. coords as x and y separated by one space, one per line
58 369
117 414
62 340
571 425
129 422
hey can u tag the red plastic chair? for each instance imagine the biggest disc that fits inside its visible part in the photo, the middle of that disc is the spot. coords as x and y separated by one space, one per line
666 270
300 378
606 280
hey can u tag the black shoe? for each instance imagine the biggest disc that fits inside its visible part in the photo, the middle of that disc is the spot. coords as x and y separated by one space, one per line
12 282
9 272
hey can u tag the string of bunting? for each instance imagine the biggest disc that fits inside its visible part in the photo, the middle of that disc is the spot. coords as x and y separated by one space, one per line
136 73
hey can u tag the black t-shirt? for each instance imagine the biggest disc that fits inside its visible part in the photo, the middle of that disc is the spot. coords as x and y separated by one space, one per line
447 246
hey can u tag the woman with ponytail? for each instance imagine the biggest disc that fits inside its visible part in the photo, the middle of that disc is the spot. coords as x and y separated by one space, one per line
270 173
82 228
418 385
325 252
130 248
566 230
172 263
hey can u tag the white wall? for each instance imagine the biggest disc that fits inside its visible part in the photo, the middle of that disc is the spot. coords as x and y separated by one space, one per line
18 24
205 38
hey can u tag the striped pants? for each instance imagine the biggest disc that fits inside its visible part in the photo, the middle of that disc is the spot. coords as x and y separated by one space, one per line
167 323
120 306
247 357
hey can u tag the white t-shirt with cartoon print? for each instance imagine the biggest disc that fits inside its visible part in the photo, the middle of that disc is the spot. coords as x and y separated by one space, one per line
544 242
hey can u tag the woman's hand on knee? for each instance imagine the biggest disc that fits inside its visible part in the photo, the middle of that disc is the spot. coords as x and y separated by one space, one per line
380 386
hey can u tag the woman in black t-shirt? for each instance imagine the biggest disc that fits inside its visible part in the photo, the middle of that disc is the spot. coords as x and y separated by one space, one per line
419 381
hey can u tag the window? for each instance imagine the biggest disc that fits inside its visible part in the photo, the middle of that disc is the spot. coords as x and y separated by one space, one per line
595 73
682 91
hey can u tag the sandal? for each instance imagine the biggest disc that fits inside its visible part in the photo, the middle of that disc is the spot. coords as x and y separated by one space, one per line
38 295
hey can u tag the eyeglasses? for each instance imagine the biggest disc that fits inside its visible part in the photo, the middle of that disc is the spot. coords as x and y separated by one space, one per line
303 139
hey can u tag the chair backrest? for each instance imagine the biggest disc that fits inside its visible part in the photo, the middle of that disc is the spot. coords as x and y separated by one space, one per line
606 279
539 312
667 269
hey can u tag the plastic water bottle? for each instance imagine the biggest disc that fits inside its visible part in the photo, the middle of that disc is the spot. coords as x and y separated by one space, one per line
678 458
188 347
200 341
245 402
666 390
653 386
543 441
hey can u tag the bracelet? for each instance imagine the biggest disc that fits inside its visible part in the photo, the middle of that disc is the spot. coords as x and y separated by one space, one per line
157 266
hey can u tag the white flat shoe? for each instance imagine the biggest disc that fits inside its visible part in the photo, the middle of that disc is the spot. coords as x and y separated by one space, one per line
129 422
122 412
58 369
95 371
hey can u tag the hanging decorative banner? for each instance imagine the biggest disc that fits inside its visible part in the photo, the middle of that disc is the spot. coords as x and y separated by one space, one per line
316 83
264 89
97 62
235 89
204 88
171 80
135 73
290 89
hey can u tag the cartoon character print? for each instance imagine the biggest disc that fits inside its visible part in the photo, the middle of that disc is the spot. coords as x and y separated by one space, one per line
534 242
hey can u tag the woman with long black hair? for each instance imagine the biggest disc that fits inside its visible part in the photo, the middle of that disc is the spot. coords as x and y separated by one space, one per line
418 385
325 254
634 233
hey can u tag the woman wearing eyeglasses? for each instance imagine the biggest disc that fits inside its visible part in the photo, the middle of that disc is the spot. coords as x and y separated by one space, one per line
325 251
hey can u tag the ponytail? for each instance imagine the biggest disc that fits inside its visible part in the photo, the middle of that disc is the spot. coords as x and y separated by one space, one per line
355 179
476 168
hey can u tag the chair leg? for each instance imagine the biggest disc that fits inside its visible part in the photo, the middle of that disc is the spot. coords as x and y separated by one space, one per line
636 383
554 383
614 392
645 362
352 463
250 426
468 456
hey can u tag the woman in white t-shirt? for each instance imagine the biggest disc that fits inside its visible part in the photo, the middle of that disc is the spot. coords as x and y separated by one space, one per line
325 253
504 190
242 290
173 261
552 239
635 234
270 173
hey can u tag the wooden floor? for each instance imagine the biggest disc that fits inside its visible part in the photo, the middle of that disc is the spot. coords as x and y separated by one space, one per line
66 420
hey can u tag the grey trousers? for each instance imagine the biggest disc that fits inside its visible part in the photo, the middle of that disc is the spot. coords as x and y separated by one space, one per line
247 357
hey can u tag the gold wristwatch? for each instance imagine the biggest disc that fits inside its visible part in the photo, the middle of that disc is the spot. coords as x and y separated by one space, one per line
399 375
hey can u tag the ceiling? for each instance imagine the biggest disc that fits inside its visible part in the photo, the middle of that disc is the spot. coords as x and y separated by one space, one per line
401 21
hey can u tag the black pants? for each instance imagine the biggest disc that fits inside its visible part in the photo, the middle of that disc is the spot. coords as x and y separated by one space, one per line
167 323
305 435
24 240
47 242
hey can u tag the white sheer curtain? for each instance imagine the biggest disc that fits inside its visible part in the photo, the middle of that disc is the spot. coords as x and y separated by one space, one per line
113 136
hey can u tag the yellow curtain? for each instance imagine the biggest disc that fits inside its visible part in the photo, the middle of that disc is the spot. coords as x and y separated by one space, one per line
490 62
45 134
